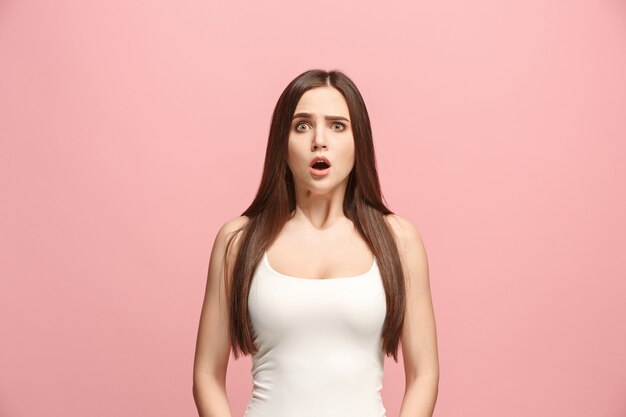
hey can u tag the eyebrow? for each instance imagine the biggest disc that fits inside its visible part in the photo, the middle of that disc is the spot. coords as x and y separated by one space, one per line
325 117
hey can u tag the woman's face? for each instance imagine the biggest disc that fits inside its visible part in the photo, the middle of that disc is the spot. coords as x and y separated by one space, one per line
321 127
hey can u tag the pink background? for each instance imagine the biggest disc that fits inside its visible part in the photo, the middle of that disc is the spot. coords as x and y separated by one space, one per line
131 130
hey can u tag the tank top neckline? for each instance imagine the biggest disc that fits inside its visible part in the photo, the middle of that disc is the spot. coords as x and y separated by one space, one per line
266 262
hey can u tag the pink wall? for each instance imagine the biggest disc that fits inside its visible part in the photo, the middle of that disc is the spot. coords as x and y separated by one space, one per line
131 130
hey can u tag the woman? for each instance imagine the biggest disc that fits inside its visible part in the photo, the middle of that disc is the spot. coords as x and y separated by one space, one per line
318 279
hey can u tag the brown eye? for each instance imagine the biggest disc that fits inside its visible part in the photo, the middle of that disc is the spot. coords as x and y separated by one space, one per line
341 125
298 126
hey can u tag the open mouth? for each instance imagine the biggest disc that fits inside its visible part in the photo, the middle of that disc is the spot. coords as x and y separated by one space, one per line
320 165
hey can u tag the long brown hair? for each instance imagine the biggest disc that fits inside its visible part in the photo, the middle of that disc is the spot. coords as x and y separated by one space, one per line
275 201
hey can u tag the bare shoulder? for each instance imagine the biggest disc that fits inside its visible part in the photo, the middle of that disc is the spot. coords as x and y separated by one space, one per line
405 231
232 225
227 231
229 228
410 244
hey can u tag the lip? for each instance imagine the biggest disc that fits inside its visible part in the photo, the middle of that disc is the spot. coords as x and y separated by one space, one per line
319 172
317 158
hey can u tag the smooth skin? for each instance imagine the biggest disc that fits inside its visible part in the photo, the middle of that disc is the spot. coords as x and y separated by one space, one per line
319 230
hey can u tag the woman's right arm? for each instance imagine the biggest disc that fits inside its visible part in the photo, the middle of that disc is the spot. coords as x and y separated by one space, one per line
213 341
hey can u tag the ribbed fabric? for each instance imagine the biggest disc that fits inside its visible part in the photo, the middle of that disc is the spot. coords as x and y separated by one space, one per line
320 347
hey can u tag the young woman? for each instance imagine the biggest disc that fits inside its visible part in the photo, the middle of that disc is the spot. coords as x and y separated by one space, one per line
318 279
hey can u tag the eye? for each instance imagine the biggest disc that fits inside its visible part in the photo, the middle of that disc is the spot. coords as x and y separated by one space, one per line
341 126
298 126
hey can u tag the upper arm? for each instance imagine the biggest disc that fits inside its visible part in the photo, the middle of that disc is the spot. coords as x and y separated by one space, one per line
213 341
419 337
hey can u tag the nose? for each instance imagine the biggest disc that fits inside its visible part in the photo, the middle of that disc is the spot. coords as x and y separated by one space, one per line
319 140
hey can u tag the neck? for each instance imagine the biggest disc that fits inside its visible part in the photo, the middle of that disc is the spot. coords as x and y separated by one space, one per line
320 210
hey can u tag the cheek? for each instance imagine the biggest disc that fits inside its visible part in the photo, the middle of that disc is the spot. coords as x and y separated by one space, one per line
349 152
295 154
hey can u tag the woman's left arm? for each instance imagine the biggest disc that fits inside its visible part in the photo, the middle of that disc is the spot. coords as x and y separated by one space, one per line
419 335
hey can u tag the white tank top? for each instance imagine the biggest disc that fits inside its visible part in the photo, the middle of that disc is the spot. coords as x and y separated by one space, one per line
320 347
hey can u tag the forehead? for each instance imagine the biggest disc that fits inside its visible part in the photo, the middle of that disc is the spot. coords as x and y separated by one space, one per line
323 100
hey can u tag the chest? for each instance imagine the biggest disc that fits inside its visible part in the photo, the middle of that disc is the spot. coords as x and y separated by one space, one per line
283 306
